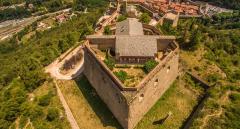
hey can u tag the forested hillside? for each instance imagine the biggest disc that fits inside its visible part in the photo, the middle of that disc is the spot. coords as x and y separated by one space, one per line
215 42
22 70
10 2
231 4
30 7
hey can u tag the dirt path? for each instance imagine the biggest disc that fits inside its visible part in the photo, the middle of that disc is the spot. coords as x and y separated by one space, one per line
27 124
217 113
68 112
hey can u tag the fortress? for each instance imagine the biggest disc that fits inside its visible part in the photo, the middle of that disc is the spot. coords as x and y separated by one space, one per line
132 44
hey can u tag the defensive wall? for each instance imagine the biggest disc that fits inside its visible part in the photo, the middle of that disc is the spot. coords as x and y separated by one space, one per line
130 104
152 88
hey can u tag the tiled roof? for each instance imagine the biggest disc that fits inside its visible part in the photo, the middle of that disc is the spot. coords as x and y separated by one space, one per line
131 26
136 45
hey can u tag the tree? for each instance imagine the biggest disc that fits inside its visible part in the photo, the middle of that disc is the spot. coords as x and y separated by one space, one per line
110 63
45 99
52 114
107 30
121 75
195 39
150 65
121 18
63 45
145 18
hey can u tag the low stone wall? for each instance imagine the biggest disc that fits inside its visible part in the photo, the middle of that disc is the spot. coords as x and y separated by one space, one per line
154 29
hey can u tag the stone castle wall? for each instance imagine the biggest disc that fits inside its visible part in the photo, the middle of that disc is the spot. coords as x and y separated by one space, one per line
106 88
153 90
103 43
150 89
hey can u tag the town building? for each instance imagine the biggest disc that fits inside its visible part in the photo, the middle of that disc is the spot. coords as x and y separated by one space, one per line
133 43
170 18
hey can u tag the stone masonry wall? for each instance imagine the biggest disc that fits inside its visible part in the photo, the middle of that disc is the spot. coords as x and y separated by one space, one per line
106 88
103 43
129 114
152 91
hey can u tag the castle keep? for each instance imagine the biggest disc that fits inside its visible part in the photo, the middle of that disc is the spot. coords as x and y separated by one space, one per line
131 44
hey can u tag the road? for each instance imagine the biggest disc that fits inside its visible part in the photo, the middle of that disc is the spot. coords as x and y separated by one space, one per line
11 27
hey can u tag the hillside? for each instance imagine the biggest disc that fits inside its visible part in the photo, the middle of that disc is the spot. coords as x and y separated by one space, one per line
231 4
26 8
28 98
22 76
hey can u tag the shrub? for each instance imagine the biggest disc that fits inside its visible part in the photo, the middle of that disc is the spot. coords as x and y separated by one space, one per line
110 63
52 114
235 97
145 18
121 18
35 112
213 78
45 99
150 65
121 75
197 68
107 30
123 66
212 104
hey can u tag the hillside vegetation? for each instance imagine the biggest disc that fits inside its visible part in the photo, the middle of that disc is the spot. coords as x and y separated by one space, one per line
232 4
22 70
10 2
215 45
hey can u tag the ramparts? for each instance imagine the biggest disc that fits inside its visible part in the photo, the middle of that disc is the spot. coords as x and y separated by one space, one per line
129 104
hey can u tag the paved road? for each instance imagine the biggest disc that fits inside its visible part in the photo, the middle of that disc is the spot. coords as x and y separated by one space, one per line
10 27
68 111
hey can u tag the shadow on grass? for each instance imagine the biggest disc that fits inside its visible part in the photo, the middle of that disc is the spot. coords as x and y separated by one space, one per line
98 106
160 122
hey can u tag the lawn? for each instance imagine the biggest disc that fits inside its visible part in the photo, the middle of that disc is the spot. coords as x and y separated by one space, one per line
88 109
91 113
179 99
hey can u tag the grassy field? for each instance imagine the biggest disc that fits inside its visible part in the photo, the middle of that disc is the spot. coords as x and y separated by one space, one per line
91 113
179 99
196 63
88 109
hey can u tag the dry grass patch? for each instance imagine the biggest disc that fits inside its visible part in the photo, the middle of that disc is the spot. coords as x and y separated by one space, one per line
179 99
88 109
196 63
134 75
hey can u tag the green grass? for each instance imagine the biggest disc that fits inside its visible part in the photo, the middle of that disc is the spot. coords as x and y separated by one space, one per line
89 109
54 102
179 99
